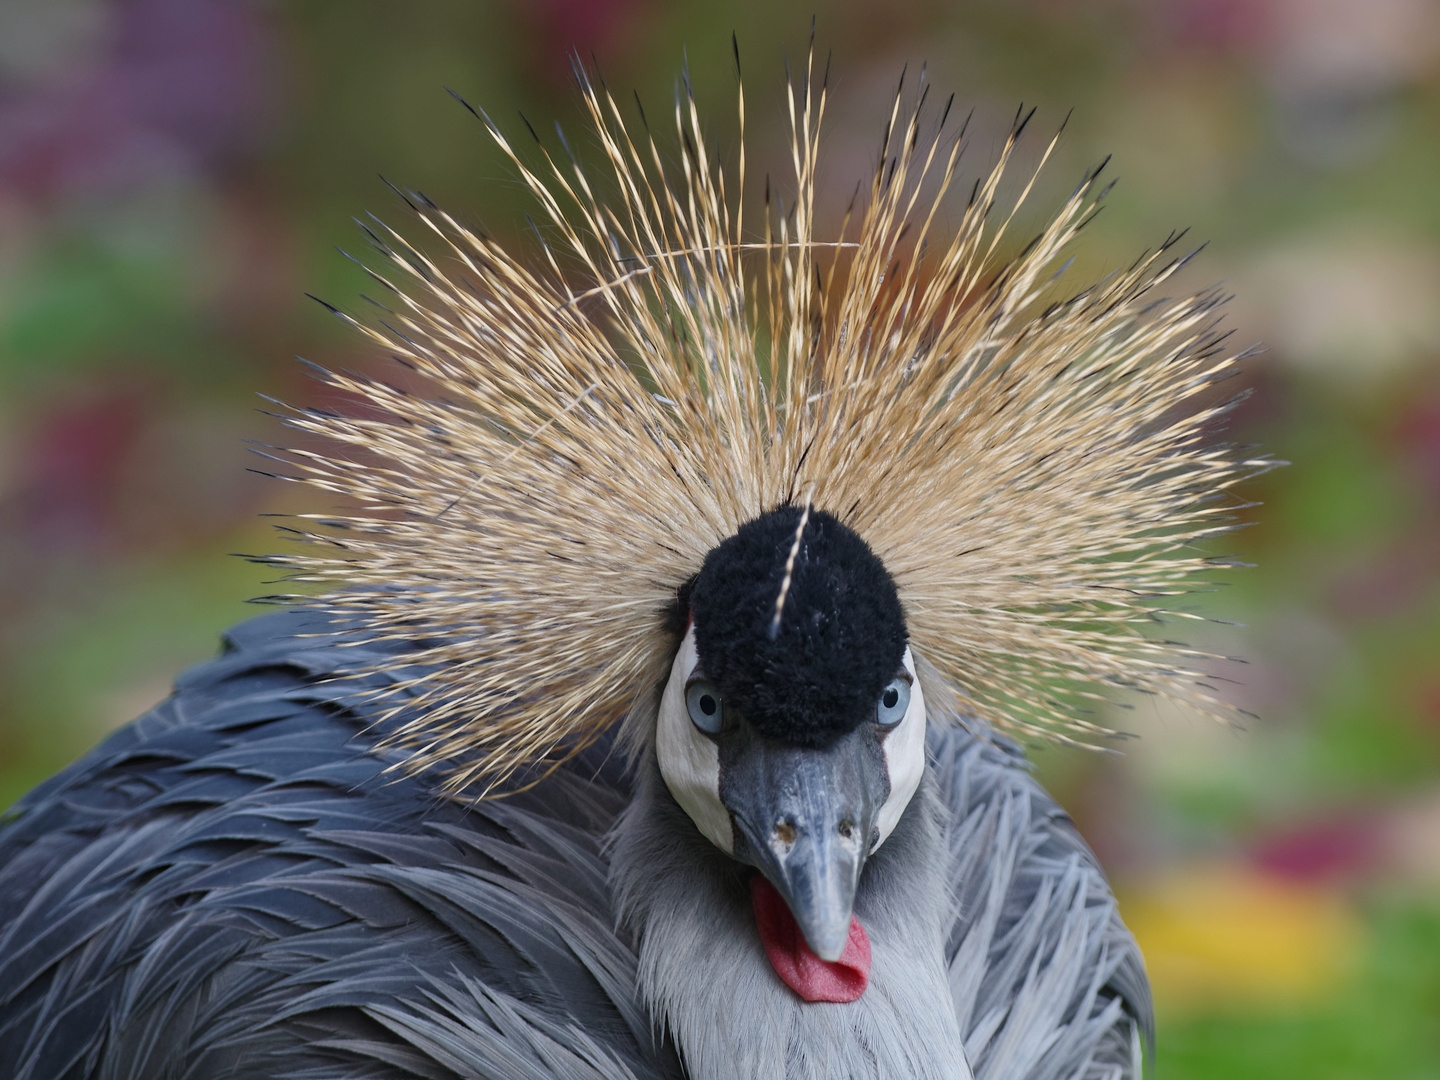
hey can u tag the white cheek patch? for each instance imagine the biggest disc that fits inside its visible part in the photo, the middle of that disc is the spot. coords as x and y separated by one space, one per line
904 756
690 762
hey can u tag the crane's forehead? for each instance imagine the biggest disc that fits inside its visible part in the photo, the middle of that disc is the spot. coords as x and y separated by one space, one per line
817 673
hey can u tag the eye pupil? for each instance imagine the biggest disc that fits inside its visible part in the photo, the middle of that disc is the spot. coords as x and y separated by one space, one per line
891 698
707 705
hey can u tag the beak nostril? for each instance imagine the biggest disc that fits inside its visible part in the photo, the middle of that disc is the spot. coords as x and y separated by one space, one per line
784 833
847 829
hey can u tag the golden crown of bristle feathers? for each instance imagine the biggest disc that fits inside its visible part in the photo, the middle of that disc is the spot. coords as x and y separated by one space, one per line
1016 459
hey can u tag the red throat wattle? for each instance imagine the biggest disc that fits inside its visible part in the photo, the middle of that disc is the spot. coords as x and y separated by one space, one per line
796 963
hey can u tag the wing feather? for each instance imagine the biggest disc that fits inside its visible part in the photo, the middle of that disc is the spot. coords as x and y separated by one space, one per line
235 885
1047 981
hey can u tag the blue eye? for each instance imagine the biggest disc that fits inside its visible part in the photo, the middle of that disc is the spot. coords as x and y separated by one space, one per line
894 701
705 706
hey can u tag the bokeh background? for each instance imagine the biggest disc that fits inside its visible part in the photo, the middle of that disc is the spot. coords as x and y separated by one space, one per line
175 175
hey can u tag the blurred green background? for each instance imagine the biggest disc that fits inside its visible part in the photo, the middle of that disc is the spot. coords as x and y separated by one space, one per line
174 176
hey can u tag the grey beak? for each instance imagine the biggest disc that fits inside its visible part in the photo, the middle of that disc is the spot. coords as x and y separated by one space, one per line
806 817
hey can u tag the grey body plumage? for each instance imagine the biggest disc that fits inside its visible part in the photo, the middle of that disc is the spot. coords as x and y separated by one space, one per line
233 886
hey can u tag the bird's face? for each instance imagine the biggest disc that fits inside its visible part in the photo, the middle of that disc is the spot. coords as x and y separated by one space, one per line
795 744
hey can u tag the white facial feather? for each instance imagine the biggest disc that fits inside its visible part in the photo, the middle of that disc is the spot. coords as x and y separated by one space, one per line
690 760
904 756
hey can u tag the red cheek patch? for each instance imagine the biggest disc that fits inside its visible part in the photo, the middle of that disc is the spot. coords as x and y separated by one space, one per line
796 963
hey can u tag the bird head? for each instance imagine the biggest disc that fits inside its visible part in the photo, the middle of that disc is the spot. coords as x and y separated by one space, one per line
792 726
583 444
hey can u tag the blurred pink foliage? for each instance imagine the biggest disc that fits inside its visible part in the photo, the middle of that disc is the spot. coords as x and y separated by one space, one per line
177 86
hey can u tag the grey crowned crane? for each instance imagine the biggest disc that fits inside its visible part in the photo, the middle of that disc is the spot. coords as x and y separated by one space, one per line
649 718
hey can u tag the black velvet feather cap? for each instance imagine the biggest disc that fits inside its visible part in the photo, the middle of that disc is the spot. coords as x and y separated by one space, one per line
841 635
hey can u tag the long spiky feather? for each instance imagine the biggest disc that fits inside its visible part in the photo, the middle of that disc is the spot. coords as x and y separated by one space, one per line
1024 466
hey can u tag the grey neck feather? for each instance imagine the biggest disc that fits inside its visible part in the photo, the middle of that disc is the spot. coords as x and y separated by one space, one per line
704 975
